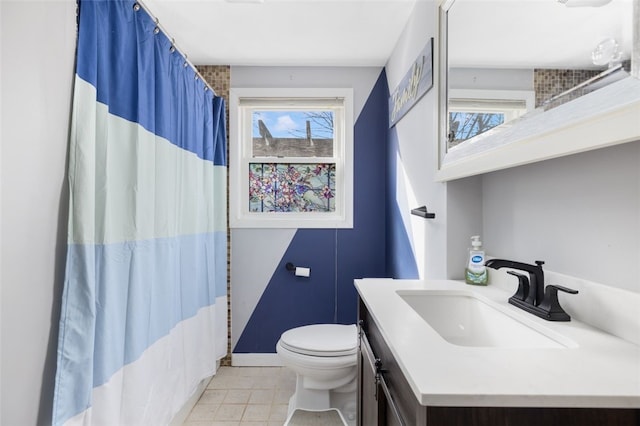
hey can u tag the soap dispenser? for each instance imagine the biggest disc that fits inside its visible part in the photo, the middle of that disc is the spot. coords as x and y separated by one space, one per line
476 272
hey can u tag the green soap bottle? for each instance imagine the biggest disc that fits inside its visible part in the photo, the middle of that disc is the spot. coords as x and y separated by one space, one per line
475 272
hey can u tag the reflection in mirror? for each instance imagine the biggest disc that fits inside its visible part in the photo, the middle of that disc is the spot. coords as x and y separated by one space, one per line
508 59
473 112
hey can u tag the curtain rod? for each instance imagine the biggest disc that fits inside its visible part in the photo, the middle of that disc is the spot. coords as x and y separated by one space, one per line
173 43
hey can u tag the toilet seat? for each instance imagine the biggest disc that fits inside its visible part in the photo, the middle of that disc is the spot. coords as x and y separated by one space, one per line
321 340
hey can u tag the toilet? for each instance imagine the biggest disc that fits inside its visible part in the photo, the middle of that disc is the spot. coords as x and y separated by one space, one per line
324 358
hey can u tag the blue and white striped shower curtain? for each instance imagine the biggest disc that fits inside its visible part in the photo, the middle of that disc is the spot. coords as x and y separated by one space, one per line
143 316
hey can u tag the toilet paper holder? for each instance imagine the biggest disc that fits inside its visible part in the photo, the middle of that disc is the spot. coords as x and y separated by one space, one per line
290 266
297 270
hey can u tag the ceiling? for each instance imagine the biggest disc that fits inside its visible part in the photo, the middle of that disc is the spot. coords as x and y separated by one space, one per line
284 32
520 33
534 33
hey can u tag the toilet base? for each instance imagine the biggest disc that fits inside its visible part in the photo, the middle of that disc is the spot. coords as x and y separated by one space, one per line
343 399
345 402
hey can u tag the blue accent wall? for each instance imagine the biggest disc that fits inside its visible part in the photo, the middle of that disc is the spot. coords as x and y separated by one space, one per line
336 257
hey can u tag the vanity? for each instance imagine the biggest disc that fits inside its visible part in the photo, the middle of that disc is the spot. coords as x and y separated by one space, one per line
440 352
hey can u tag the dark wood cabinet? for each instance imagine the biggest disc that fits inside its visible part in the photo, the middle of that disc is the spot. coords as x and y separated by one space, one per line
368 383
385 397
378 406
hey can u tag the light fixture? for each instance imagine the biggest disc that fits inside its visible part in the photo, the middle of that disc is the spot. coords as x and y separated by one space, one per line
584 3
607 52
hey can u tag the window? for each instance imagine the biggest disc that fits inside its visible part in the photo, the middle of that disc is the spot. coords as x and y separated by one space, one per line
466 124
473 112
291 158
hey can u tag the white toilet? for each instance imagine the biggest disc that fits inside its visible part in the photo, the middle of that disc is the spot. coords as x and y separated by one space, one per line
324 358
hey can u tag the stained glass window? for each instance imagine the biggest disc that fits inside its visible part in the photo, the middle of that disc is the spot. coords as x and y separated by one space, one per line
282 187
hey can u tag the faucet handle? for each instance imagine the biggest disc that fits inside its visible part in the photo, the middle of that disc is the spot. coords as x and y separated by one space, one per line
561 288
551 305
523 285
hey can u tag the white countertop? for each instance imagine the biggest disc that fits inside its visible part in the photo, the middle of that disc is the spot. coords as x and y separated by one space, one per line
600 371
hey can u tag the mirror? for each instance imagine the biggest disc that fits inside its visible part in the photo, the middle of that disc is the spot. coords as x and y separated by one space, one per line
513 71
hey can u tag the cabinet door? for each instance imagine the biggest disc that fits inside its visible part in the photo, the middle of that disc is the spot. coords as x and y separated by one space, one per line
377 406
368 385
388 409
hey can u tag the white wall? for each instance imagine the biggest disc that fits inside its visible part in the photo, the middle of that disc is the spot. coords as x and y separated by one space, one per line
465 218
490 79
361 79
38 42
417 156
581 214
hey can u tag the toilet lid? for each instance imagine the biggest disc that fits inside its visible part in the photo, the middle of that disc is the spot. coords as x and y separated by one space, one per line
321 340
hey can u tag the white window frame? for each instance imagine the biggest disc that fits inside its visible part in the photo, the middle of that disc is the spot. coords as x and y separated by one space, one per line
511 103
493 101
241 100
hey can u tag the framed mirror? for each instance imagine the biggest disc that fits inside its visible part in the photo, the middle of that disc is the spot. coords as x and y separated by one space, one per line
528 80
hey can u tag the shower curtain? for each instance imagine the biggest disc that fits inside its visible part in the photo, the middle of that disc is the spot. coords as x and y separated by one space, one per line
143 316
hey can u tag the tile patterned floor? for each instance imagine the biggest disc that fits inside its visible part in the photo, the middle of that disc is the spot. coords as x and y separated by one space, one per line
243 396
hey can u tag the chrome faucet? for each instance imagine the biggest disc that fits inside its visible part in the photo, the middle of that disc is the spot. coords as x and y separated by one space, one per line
532 296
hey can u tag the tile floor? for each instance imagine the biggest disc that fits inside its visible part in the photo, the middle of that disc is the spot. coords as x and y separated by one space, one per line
243 396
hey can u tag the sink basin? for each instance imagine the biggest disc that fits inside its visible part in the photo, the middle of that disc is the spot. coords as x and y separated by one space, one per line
465 319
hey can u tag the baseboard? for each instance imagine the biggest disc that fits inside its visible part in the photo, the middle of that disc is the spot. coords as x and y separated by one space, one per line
255 360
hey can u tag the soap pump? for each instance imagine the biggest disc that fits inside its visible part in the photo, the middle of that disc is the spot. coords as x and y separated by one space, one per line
476 272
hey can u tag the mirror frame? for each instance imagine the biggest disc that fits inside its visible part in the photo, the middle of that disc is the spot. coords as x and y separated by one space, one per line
605 117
